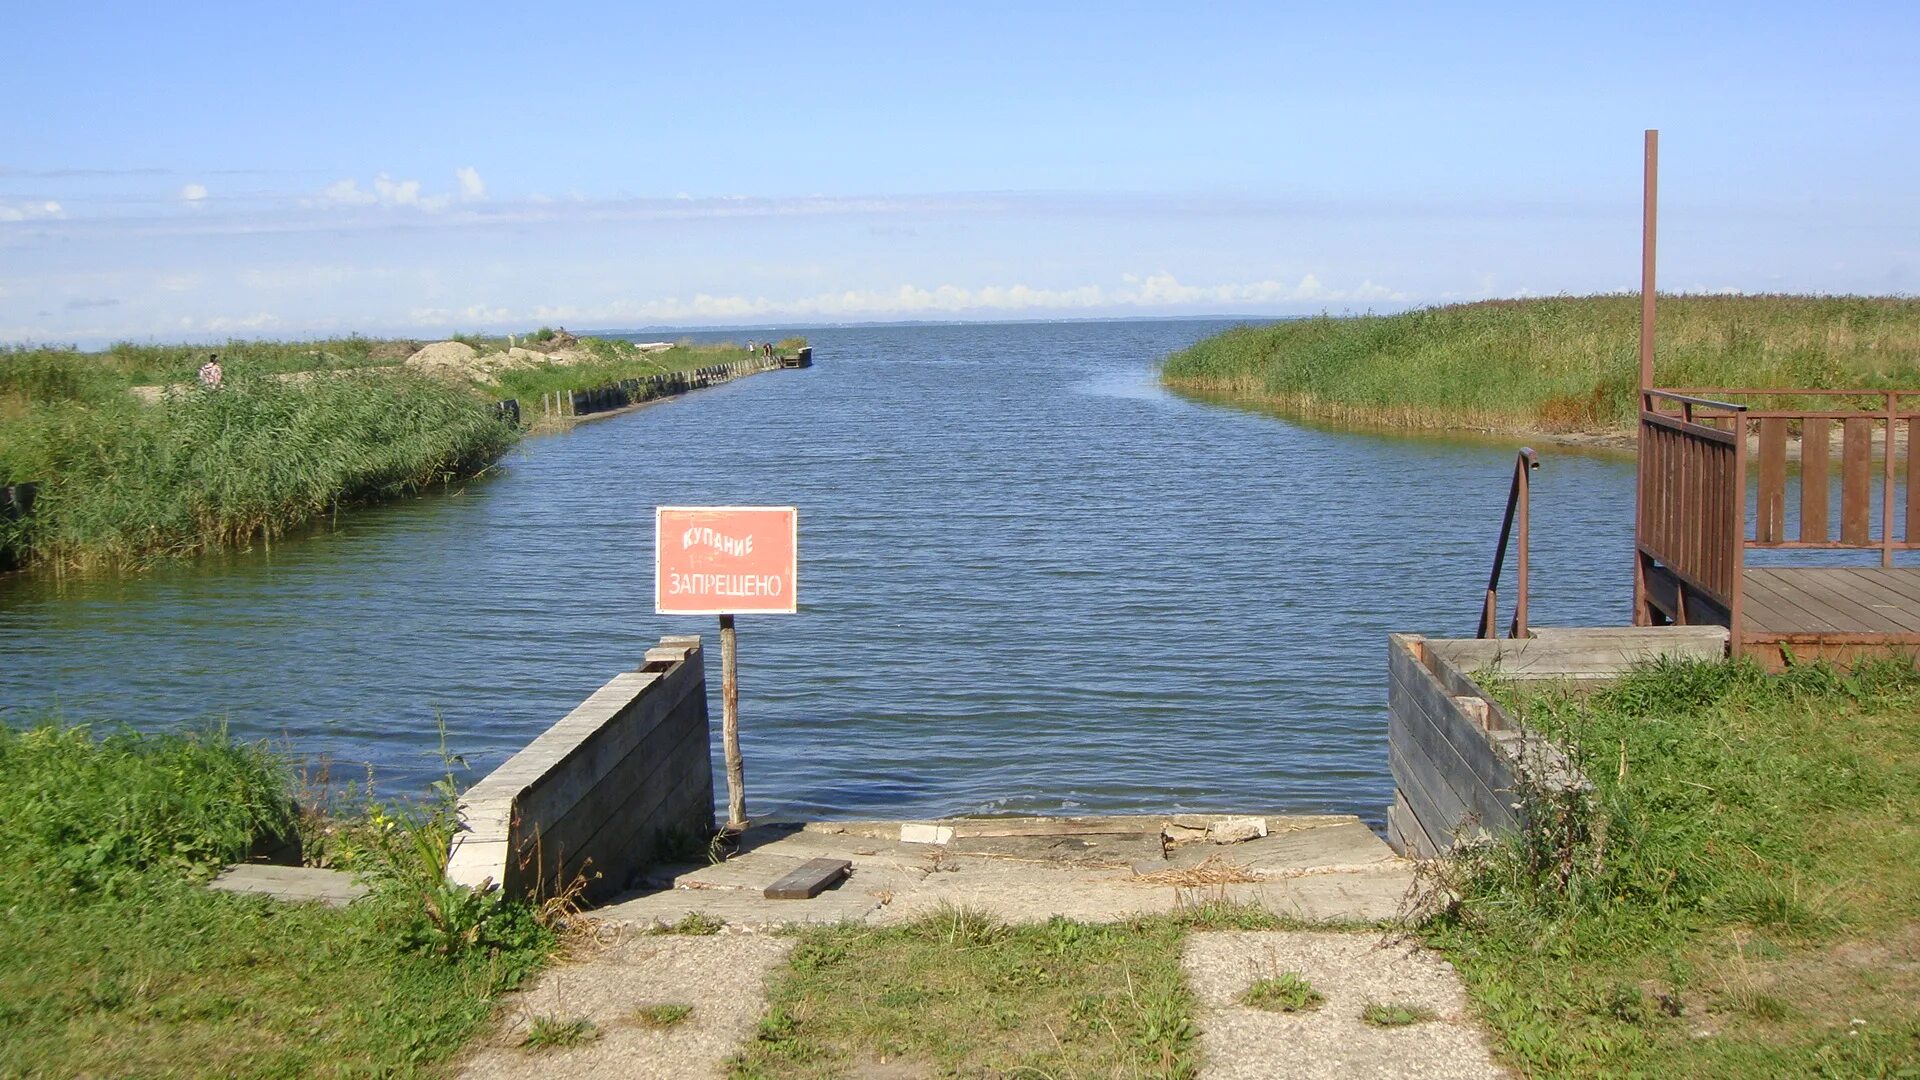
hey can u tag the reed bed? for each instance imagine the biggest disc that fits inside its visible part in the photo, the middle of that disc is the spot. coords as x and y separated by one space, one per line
122 483
1561 364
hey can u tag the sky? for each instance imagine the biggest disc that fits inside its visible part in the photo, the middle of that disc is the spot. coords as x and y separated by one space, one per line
263 170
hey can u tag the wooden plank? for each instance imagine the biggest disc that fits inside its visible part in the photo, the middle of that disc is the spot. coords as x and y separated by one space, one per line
1815 473
1786 606
809 879
1856 480
1460 752
1437 808
1770 523
1900 581
1880 593
1408 836
1862 609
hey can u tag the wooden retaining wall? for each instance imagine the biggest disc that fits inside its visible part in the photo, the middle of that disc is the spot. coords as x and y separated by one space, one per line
1462 767
619 395
603 792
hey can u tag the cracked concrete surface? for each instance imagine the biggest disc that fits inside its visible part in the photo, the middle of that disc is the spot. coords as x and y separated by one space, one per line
1239 1042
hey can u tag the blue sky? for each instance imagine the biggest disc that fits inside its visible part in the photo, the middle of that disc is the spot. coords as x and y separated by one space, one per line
262 170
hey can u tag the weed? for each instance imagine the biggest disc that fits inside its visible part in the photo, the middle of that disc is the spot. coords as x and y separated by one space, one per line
1379 1014
661 1016
558 1033
692 924
966 994
1288 991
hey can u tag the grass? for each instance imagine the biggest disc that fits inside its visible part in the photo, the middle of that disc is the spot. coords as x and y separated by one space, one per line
559 1033
612 360
963 994
1379 1014
1741 897
1562 364
122 482
692 924
118 962
663 1016
1288 991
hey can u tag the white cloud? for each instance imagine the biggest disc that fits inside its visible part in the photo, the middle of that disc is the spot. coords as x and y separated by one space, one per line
386 191
1155 292
227 323
28 211
471 186
193 193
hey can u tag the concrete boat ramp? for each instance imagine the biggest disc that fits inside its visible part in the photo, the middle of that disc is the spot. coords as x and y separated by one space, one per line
1320 868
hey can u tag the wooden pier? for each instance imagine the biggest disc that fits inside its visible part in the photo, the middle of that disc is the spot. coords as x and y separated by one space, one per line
1714 485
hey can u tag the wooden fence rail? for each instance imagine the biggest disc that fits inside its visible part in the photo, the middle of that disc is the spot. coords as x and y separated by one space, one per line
1691 510
1864 434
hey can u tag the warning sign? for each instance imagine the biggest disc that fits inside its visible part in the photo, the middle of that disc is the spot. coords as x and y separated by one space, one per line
725 560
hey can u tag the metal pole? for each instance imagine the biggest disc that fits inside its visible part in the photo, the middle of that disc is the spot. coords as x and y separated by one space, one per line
1649 215
1524 479
730 727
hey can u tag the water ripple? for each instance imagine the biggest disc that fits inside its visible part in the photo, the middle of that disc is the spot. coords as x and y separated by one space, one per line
1031 581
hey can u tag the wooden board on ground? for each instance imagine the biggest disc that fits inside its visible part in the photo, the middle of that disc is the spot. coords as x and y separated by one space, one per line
809 879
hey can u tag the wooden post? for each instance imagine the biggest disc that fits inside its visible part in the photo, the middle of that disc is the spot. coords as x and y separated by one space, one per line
730 726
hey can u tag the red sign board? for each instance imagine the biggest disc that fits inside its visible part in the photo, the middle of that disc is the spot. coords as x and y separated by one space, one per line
725 560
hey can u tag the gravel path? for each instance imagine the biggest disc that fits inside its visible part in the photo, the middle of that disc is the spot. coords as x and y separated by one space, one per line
1351 970
722 977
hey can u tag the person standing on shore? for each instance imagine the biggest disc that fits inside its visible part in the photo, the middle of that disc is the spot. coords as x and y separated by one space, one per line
210 373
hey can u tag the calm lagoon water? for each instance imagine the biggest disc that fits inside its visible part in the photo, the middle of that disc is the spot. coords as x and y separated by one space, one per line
1031 581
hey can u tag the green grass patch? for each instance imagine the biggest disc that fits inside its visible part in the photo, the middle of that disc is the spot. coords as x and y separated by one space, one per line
1288 991
962 994
661 1017
1739 897
613 360
1379 1014
119 962
559 1033
123 481
1555 364
692 924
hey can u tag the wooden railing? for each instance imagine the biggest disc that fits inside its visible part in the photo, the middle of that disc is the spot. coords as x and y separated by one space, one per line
1692 528
1864 434
1691 509
1519 509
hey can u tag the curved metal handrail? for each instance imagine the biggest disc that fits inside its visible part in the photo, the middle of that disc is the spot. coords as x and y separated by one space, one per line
1519 499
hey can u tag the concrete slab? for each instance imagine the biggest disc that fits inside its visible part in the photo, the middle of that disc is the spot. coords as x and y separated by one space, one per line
1239 1042
722 977
294 884
1321 868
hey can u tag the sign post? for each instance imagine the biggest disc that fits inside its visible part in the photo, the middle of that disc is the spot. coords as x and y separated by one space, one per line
726 561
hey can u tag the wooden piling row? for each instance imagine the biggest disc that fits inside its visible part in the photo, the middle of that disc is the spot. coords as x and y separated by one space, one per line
626 392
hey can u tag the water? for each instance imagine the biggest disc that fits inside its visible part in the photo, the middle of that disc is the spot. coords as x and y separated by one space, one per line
1031 581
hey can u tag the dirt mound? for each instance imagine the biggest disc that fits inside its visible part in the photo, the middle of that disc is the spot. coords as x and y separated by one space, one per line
388 351
555 342
444 358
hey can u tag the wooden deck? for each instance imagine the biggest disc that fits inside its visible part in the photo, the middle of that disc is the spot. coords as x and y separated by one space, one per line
1830 613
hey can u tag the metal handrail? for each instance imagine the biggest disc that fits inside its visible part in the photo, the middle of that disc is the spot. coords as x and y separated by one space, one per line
1519 499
